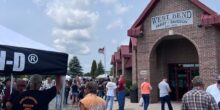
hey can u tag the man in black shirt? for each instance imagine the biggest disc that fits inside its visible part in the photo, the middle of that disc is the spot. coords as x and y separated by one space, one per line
34 99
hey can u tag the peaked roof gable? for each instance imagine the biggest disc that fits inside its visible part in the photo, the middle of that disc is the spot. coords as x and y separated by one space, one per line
124 50
113 59
153 4
117 57
132 42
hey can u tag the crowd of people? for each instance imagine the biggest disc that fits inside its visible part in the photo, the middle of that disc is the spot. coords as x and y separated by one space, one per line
92 94
36 93
196 99
32 94
97 92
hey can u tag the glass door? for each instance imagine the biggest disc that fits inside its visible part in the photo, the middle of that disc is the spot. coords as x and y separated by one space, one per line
180 76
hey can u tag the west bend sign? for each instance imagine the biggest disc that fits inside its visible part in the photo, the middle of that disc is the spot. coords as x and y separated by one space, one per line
176 19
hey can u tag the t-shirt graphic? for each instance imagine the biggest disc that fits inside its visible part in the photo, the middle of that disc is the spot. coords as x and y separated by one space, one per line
28 102
36 100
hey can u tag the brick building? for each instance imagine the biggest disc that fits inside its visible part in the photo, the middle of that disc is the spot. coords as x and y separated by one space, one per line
122 62
133 51
178 39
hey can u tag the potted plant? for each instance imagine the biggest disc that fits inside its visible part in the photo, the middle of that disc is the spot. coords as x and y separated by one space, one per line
134 93
128 86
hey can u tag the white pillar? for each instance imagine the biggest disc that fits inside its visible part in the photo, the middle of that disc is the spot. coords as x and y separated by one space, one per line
12 83
116 69
63 92
123 66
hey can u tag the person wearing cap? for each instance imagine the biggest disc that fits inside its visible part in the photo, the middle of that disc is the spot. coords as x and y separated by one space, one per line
91 101
198 98
214 90
145 91
34 99
19 88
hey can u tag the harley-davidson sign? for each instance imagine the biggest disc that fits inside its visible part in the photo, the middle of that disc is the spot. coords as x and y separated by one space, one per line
176 19
20 61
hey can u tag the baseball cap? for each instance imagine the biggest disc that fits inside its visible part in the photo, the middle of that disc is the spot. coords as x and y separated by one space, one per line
197 81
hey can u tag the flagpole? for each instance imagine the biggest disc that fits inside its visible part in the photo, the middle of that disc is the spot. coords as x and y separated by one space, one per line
105 60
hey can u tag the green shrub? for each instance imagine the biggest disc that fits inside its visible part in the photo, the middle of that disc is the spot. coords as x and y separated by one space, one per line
134 87
127 92
128 83
127 88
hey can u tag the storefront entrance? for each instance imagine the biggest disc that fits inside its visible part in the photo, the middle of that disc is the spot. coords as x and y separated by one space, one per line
176 58
180 77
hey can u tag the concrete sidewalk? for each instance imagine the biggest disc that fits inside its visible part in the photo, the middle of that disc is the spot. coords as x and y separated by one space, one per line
155 106
130 106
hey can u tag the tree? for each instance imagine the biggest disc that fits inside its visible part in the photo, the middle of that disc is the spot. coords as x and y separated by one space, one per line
74 67
111 71
100 69
93 69
87 74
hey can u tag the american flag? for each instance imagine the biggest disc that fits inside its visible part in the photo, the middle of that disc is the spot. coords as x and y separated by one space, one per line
101 50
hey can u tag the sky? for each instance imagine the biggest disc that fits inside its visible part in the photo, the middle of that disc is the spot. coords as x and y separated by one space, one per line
77 27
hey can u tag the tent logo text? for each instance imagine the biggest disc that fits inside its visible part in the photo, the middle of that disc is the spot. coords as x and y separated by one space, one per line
18 63
33 58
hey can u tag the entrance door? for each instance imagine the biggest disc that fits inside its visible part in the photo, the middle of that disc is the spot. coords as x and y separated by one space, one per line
180 77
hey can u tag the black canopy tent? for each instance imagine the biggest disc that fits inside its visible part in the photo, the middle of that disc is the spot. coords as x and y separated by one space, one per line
26 61
20 55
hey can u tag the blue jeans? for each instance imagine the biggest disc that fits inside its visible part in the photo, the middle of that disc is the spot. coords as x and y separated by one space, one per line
219 105
121 99
146 98
166 99
101 93
111 99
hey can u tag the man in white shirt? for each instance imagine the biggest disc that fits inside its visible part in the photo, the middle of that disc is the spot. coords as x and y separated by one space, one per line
164 94
214 90
110 87
48 83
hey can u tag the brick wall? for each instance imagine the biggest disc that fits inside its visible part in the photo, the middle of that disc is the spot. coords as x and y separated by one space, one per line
134 68
217 34
205 40
128 74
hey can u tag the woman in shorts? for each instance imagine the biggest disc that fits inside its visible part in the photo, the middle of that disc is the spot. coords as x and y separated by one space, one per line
75 92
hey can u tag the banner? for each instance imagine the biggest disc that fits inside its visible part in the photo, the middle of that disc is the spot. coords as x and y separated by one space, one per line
25 61
172 20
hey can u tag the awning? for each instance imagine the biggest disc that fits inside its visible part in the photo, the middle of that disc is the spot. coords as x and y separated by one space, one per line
135 32
210 20
20 55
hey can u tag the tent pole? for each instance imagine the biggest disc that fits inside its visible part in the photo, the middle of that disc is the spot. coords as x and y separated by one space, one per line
62 93
56 105
12 82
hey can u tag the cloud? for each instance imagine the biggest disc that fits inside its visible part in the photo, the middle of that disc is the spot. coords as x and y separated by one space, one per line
40 2
109 1
72 46
121 9
114 41
115 25
74 22
118 7
72 18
